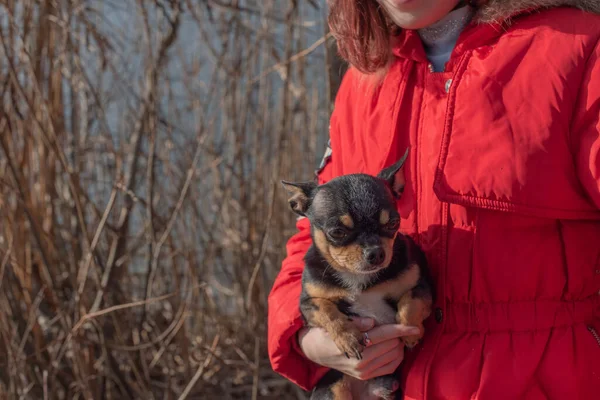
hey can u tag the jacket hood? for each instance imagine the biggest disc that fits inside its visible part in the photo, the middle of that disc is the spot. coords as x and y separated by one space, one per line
496 10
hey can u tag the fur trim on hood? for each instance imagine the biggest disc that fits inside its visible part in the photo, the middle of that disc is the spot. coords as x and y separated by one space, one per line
496 10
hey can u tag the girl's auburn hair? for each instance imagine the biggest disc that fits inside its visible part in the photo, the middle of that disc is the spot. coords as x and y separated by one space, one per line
363 33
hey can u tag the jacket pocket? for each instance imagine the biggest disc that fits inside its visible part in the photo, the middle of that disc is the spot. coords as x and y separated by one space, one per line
513 154
535 185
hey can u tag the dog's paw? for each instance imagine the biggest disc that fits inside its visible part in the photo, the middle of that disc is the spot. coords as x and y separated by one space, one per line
384 387
350 342
411 341
412 312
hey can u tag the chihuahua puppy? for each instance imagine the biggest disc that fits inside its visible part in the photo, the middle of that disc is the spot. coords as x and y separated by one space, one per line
359 265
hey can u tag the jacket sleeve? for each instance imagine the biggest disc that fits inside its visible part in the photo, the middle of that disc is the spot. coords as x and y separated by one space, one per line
586 129
284 318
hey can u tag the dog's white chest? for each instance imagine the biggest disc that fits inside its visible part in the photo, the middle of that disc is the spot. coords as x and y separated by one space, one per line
372 301
373 305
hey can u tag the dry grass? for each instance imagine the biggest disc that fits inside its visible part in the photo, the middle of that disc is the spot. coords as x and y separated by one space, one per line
141 220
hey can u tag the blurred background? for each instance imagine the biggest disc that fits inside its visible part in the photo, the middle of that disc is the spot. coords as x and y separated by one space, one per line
141 218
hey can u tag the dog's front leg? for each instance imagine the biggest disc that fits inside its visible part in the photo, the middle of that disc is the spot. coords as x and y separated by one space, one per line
319 306
413 308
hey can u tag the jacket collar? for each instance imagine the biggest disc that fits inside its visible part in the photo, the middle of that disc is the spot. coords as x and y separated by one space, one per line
504 10
407 44
490 21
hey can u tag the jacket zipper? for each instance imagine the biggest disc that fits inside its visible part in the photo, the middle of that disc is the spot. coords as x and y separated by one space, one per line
594 334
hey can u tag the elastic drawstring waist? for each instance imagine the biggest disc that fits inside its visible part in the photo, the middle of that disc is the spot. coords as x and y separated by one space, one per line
519 316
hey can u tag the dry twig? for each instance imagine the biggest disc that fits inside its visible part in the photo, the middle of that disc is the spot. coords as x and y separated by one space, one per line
141 142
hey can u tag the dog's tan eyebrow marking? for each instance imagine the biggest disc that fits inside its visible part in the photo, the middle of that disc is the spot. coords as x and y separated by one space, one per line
384 217
347 221
324 249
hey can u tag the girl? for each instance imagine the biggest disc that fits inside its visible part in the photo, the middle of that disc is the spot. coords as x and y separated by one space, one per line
499 103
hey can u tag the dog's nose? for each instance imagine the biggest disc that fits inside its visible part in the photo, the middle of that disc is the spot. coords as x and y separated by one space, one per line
375 255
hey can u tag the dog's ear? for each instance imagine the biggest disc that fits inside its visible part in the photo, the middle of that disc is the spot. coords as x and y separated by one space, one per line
394 175
302 194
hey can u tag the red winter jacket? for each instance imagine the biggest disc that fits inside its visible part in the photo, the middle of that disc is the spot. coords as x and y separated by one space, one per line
503 195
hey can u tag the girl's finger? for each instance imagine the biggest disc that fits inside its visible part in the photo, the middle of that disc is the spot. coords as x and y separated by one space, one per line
386 369
396 354
364 324
382 333
375 351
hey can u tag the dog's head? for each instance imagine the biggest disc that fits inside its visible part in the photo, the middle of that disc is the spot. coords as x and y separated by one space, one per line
353 218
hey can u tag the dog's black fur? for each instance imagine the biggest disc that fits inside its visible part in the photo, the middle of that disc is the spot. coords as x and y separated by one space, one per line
359 265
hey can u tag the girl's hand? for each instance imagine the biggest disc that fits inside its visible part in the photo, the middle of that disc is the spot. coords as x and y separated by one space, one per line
382 356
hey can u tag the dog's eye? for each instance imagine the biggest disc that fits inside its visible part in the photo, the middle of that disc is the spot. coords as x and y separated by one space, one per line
338 233
393 225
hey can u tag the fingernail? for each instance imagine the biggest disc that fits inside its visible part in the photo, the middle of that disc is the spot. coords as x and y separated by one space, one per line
366 323
413 331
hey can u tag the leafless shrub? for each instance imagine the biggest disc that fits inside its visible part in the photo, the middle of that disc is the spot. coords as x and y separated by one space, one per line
141 221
